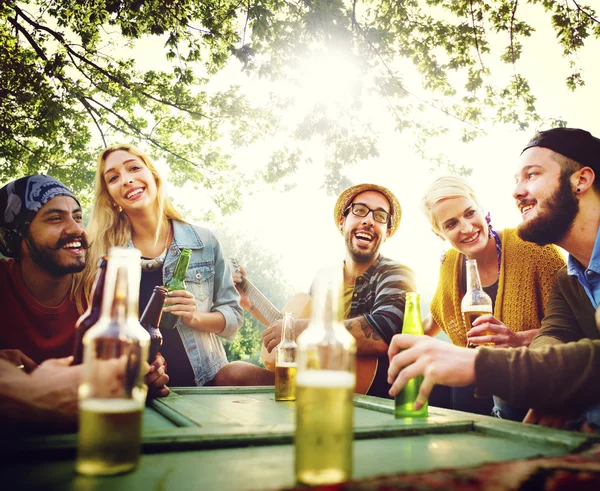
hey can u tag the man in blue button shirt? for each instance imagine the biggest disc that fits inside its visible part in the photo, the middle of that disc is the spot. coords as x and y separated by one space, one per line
558 193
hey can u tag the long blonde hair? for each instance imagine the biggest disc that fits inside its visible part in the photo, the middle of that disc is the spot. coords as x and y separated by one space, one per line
443 188
109 227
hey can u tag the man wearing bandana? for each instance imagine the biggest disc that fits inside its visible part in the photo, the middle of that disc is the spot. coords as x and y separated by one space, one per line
42 235
44 242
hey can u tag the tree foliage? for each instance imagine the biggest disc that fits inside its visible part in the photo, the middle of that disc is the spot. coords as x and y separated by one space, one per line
69 81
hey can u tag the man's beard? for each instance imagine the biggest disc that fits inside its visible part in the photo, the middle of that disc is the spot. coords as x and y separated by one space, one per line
45 257
555 219
360 255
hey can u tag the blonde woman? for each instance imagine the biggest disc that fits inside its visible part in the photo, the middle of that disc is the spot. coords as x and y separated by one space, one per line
131 209
518 275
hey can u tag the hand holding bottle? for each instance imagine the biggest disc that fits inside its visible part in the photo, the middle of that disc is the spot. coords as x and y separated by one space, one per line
182 304
489 331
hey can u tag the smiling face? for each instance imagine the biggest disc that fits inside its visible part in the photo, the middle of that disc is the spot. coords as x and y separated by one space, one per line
364 235
129 181
545 197
56 240
461 222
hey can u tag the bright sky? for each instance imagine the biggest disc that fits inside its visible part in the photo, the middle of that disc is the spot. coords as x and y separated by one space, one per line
297 226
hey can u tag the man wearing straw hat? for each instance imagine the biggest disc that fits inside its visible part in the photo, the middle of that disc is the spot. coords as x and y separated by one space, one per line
374 286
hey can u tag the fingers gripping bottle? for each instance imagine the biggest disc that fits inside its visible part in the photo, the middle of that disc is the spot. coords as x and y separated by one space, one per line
324 388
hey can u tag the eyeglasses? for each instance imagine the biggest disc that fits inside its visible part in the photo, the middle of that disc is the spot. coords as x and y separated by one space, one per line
362 210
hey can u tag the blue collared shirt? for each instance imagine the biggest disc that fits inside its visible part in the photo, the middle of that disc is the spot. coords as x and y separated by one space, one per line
590 277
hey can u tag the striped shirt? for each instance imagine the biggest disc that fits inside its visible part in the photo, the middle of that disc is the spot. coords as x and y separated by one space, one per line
379 295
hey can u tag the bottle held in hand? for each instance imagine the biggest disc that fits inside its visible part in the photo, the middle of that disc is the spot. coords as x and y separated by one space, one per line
92 314
404 406
476 302
177 282
150 320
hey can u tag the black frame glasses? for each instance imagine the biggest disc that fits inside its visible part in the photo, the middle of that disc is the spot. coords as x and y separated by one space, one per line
380 216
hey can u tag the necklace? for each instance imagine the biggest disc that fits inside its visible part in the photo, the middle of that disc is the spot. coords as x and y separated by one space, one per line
157 262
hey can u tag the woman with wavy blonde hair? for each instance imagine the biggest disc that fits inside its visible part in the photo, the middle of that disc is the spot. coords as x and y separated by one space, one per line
131 210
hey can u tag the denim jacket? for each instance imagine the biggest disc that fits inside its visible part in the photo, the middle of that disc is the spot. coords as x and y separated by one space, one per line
209 280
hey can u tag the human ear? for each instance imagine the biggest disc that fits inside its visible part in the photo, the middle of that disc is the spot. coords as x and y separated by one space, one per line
583 179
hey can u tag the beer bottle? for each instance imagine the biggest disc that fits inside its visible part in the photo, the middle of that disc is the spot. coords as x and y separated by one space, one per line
92 313
151 319
405 400
285 362
475 302
112 392
324 388
177 282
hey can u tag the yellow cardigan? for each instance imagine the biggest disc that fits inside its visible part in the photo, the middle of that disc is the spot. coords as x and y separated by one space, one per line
527 273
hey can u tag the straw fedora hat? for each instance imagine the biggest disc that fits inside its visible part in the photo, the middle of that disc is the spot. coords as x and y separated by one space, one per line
348 195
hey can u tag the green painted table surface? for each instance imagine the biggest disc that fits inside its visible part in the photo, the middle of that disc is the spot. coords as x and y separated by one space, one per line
242 439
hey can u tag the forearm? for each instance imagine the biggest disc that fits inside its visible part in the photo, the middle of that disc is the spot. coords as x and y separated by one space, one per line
542 378
208 322
368 342
24 399
430 326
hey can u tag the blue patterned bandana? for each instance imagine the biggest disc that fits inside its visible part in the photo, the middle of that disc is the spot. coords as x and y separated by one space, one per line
20 201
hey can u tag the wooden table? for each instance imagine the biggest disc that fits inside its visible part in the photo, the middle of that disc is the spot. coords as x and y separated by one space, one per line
236 439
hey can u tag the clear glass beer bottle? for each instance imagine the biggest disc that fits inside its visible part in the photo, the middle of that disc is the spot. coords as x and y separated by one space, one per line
177 282
92 314
325 383
475 302
285 361
112 392
405 400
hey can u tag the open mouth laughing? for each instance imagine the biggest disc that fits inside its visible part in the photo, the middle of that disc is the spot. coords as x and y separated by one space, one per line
525 207
363 237
472 238
134 193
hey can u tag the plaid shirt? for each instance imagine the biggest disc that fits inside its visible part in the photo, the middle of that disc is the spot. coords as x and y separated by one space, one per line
379 295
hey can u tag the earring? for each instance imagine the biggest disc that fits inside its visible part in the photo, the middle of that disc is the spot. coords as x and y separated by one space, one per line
578 190
118 207
443 253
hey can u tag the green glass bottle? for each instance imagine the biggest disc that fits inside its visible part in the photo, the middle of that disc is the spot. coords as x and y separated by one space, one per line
406 398
177 282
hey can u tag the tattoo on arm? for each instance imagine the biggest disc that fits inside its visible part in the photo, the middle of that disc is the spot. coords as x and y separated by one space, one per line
362 324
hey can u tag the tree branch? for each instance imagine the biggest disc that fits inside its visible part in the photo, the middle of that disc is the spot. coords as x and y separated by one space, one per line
475 35
60 38
585 13
153 141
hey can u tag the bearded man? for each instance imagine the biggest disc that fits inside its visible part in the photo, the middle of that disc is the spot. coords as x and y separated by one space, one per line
558 193
374 286
42 233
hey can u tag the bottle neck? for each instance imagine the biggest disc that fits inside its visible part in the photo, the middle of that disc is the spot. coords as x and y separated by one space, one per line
121 294
153 311
98 289
412 315
181 267
473 280
287 335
